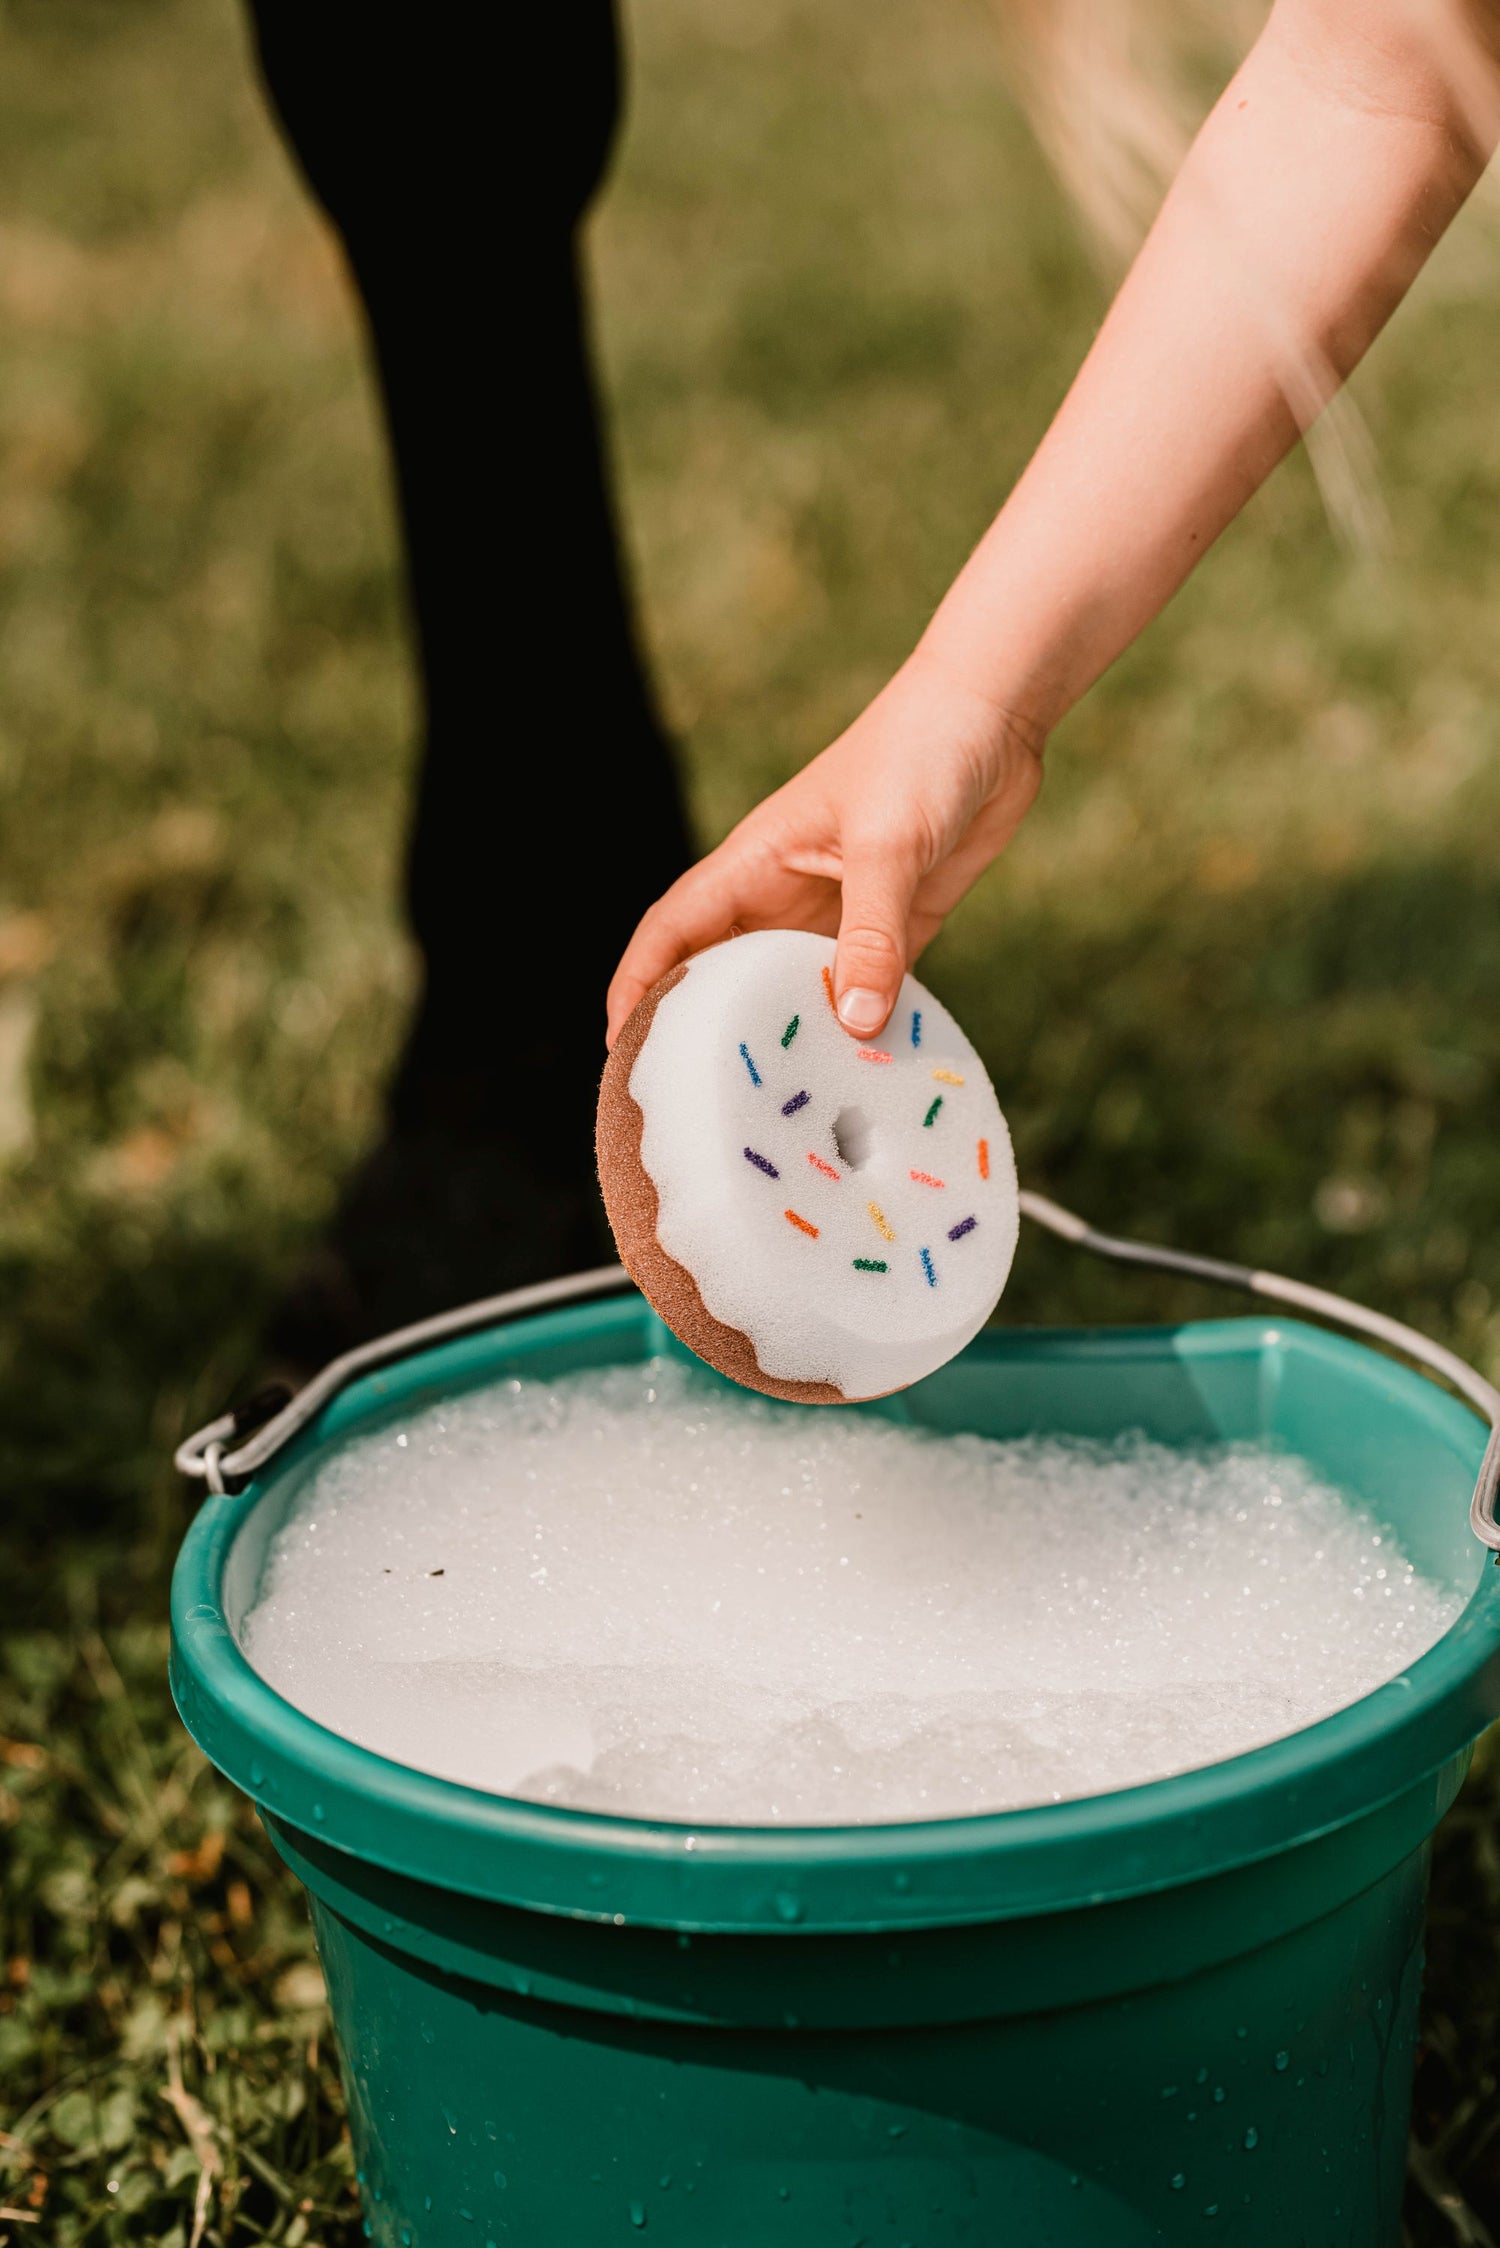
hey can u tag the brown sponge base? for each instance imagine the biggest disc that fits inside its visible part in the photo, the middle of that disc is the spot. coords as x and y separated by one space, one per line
630 1198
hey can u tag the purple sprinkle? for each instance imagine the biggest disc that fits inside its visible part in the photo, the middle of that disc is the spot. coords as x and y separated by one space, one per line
761 1164
798 1100
957 1232
927 1268
745 1058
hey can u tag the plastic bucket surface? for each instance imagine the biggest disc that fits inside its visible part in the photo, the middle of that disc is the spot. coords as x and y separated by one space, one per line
1094 2024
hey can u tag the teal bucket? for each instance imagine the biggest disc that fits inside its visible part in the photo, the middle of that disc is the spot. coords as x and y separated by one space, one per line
1182 2012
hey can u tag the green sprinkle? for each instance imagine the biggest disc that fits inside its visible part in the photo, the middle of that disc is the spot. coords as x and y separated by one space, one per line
931 1113
870 1264
791 1030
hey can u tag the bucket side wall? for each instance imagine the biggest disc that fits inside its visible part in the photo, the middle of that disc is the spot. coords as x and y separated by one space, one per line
1269 2094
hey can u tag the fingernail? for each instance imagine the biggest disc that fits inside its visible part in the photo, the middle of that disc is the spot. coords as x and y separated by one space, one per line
862 1011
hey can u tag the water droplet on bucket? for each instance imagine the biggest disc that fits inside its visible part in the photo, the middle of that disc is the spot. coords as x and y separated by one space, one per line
1283 2060
1178 2182
788 1905
1252 2139
637 2216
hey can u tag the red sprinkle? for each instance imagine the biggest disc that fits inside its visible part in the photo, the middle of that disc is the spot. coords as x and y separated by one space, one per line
870 1054
818 1164
984 1159
925 1178
802 1225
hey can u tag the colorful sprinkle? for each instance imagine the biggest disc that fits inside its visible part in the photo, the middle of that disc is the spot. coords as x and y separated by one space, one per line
828 987
925 1178
818 1164
947 1077
802 1225
926 1256
870 1264
761 1164
916 1027
745 1058
984 1159
965 1225
791 1030
872 1054
932 1112
798 1100
879 1216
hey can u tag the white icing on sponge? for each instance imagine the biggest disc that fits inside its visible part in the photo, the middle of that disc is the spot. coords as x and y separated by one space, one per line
850 1209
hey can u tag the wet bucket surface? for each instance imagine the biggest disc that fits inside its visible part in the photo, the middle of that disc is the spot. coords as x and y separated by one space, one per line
1183 2011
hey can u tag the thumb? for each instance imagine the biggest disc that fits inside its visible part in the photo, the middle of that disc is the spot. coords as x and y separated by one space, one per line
878 887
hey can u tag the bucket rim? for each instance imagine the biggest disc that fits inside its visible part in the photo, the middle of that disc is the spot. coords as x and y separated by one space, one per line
977 1867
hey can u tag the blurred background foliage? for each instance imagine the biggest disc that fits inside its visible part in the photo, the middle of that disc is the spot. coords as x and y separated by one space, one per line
1236 981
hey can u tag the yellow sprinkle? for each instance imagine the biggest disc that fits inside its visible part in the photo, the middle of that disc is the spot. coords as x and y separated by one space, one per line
946 1077
878 1215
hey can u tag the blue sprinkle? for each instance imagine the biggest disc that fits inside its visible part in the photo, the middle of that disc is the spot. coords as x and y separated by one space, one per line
761 1164
927 1268
745 1058
798 1100
957 1232
916 1027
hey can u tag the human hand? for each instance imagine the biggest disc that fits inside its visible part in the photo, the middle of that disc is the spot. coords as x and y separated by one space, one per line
875 842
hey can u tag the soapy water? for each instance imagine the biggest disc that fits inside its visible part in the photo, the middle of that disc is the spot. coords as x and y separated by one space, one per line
638 1591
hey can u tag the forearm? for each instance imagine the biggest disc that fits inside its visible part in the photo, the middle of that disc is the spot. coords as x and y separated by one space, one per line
1310 200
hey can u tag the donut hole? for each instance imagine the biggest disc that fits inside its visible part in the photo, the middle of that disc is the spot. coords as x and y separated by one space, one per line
853 1137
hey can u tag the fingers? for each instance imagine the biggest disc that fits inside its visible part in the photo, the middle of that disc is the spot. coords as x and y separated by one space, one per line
874 939
698 910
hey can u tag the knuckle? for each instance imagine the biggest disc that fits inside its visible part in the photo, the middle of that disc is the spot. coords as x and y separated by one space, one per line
877 946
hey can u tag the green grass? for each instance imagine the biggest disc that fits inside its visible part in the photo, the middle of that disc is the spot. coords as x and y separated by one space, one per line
1236 981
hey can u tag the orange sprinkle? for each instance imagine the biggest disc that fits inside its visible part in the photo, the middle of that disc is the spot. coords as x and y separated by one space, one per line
925 1178
947 1077
870 1054
818 1164
984 1159
802 1225
828 987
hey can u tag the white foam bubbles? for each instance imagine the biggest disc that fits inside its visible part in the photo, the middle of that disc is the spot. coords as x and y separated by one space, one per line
639 1591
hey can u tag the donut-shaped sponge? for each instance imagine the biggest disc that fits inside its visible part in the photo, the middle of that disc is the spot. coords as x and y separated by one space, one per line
819 1219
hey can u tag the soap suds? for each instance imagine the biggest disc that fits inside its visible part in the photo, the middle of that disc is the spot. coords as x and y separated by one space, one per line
640 1591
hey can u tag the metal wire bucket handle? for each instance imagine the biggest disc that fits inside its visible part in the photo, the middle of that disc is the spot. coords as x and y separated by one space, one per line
226 1453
